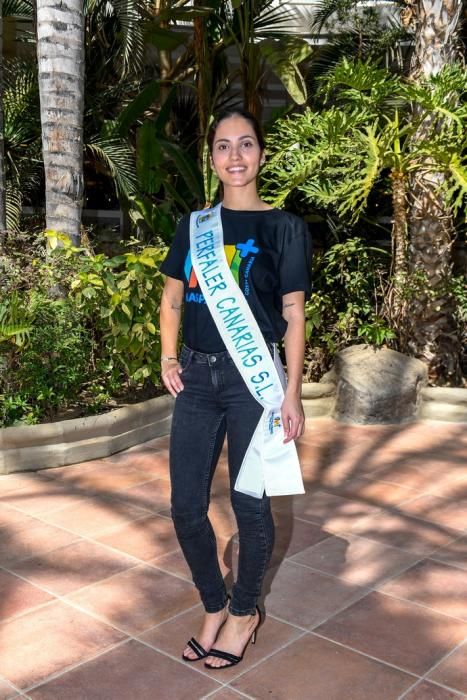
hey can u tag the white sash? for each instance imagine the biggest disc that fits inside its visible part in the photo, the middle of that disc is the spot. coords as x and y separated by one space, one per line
269 464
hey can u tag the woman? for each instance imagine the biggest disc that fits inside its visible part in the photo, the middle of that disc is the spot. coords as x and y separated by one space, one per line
268 251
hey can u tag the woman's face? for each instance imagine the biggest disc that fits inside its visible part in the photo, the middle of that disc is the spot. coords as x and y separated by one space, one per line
236 154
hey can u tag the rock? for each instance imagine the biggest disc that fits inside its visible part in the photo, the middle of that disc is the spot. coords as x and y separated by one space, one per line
377 385
329 377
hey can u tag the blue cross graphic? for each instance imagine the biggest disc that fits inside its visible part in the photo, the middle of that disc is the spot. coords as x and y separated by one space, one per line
246 248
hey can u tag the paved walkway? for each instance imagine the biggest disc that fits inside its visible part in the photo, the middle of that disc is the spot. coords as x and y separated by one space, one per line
366 598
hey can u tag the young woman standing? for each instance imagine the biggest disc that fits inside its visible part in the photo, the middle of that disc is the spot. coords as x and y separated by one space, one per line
269 254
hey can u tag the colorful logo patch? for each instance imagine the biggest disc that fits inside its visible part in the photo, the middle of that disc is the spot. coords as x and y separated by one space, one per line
235 254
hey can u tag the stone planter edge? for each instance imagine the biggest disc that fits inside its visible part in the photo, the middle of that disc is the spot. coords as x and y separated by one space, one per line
34 447
30 448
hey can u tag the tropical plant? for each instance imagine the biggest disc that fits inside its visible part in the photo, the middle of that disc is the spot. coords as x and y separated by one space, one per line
346 306
431 320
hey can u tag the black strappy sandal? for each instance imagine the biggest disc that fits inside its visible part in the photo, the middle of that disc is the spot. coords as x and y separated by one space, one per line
232 658
195 646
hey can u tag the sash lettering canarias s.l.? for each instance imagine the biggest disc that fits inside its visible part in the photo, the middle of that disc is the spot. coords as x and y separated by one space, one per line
269 465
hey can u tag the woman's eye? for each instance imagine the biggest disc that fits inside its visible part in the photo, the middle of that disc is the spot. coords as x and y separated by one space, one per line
247 144
222 146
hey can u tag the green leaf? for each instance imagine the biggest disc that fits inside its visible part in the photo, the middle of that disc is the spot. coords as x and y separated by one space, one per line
135 109
165 39
187 167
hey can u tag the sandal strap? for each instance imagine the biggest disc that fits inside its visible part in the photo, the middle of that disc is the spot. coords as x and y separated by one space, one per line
197 648
218 653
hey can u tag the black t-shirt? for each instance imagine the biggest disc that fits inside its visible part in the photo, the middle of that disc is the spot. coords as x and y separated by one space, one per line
269 254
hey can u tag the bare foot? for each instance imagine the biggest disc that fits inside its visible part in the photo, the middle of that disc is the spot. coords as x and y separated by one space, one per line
208 632
233 637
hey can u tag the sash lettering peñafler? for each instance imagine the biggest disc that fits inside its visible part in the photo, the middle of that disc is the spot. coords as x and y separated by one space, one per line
269 465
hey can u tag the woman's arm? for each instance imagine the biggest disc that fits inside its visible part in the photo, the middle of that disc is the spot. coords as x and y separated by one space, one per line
293 311
170 317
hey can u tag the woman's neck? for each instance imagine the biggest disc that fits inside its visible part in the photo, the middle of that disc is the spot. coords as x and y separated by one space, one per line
239 198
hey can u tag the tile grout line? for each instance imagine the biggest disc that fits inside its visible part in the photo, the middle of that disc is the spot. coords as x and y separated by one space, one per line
373 589
435 665
74 666
364 654
241 673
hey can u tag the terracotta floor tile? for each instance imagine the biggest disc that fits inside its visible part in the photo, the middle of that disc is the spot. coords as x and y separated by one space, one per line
152 495
11 518
413 478
304 597
373 492
70 636
137 599
398 632
132 671
71 471
13 483
454 553
316 669
430 691
356 559
91 516
7 691
330 511
452 671
402 531
452 514
18 596
172 636
293 535
151 465
35 539
52 496
105 478
440 587
69 568
145 539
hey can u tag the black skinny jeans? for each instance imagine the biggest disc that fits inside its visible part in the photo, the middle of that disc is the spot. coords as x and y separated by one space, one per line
216 402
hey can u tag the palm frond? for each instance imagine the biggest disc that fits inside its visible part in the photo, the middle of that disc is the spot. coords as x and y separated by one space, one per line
114 157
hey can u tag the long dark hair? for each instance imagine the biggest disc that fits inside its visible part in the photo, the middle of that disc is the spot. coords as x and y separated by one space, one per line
236 112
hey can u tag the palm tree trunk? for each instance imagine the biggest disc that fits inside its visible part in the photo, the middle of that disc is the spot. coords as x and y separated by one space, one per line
60 51
433 332
399 226
2 145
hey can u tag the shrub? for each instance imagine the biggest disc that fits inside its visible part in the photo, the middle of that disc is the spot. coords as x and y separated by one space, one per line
345 307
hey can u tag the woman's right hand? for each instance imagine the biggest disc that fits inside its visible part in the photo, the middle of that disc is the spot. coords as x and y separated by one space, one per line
171 372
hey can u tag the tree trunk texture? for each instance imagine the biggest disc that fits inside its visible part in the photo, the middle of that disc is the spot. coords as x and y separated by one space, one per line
432 330
203 76
2 145
399 225
60 53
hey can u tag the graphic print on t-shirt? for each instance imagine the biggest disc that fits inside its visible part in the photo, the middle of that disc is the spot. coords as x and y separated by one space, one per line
235 254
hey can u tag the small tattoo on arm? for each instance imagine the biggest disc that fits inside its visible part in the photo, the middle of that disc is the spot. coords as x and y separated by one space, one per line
286 306
174 306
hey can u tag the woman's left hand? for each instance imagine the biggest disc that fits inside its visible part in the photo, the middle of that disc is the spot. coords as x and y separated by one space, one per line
293 418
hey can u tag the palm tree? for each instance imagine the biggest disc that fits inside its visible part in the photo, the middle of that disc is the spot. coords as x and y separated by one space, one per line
2 148
60 54
336 157
432 328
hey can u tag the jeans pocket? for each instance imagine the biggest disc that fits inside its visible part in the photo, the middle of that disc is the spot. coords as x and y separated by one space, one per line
185 358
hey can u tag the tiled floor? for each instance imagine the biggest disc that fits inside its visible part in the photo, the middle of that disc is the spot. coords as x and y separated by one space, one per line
366 596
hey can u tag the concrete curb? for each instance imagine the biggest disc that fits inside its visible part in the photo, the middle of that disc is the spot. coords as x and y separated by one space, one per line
30 448
444 403
49 445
